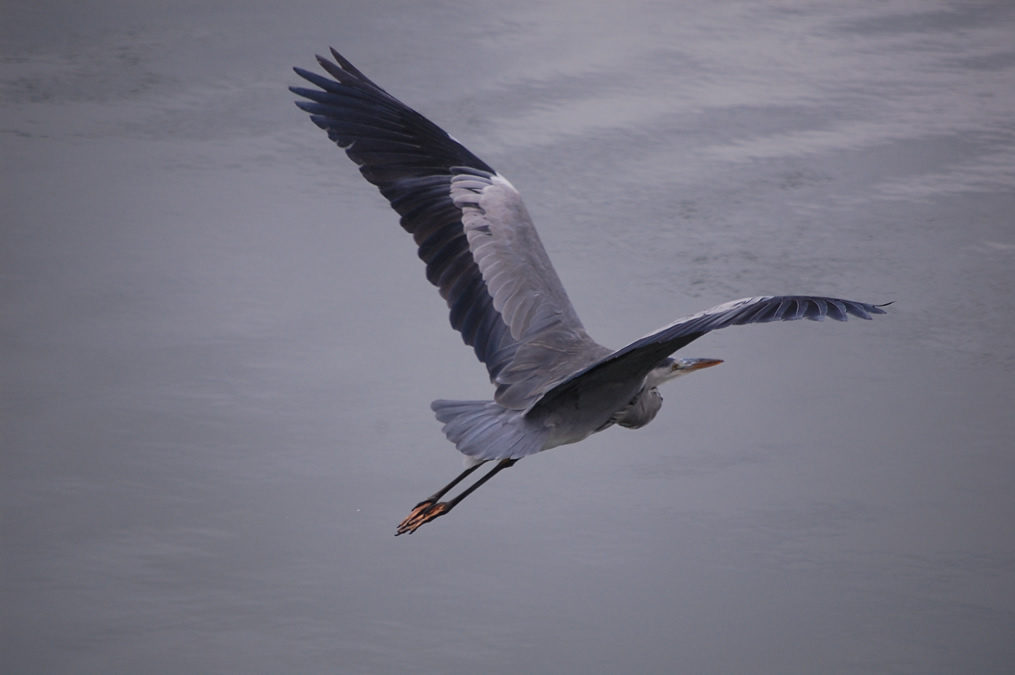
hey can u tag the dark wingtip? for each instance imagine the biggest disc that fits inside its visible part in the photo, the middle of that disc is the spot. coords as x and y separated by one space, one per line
876 309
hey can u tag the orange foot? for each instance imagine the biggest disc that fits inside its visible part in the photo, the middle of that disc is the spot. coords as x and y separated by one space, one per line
424 512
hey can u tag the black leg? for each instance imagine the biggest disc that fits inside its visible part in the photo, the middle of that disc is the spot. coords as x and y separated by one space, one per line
430 508
444 490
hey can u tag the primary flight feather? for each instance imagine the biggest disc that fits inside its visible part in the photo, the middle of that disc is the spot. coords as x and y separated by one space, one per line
554 384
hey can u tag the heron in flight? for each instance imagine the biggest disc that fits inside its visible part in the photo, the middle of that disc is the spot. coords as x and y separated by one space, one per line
554 384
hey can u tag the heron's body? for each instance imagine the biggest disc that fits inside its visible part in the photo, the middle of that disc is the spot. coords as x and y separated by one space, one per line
554 384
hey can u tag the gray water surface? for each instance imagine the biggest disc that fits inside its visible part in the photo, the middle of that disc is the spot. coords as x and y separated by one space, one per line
218 347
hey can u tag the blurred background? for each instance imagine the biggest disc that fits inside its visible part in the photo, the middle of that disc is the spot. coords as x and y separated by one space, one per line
219 349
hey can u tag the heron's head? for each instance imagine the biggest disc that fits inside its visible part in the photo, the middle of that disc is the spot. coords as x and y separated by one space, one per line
671 368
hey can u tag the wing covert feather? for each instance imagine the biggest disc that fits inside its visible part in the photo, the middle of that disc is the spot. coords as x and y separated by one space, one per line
644 354
483 253
471 226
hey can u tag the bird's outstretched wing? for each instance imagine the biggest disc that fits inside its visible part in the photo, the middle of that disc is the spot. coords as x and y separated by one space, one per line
473 231
644 354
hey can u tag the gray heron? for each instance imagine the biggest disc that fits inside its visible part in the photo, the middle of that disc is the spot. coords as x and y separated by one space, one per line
554 385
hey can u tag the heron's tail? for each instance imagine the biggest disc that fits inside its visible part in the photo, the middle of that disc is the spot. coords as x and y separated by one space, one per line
484 430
